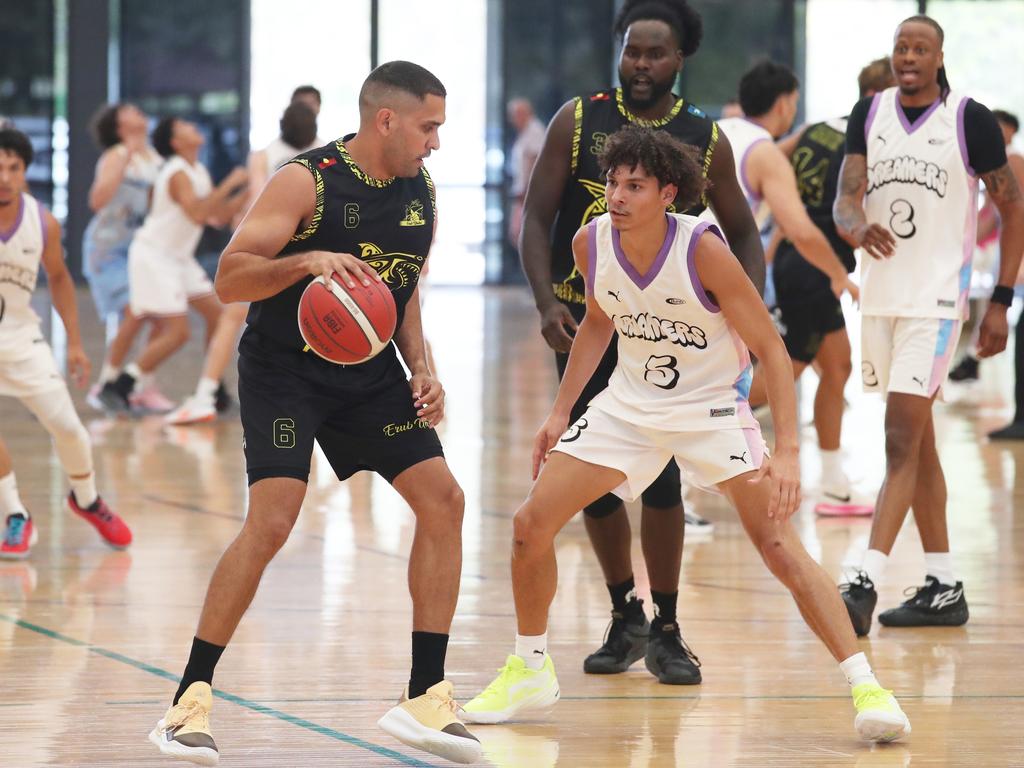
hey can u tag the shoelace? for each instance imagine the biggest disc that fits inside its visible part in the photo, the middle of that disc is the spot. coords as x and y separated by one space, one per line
878 697
183 713
496 685
445 702
918 594
861 581
677 638
15 530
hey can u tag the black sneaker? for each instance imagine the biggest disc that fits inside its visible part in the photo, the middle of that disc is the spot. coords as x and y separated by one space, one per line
933 605
965 370
860 598
1012 431
222 401
668 658
624 642
114 394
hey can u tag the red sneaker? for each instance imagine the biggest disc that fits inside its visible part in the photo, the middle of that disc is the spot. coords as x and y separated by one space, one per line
111 527
19 536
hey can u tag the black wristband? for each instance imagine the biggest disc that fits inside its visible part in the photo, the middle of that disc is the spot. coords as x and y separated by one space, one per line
1002 294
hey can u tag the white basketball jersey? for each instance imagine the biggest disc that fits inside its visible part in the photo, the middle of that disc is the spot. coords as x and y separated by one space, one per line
743 136
681 367
167 228
21 251
920 186
278 152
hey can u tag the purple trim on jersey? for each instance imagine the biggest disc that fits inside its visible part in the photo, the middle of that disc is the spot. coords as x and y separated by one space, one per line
642 281
5 236
591 256
752 196
42 222
691 266
921 120
961 136
870 119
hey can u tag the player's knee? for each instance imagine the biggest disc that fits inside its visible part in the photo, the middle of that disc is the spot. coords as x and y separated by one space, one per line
778 557
269 533
447 508
901 445
837 372
530 536
665 492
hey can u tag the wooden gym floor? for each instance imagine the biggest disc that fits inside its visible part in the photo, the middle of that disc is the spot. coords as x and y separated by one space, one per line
90 639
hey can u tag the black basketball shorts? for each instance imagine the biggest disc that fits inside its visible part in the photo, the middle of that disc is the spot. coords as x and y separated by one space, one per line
290 398
807 321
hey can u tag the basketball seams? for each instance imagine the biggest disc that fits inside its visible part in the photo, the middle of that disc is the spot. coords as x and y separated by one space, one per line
379 311
326 333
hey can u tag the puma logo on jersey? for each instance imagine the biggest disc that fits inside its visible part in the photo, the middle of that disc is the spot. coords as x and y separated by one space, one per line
615 295
919 381
742 457
947 598
880 138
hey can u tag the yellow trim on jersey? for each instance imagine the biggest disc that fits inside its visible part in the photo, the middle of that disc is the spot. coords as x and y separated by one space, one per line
430 187
707 160
318 211
577 132
565 292
643 122
358 172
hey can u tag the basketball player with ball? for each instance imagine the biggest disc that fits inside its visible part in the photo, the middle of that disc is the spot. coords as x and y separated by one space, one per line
330 255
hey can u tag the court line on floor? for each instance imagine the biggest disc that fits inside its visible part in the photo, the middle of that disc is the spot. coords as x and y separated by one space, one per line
316 536
262 709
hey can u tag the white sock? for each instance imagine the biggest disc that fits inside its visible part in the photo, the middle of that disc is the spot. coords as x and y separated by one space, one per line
531 649
108 373
940 565
833 478
207 389
857 670
874 564
133 370
9 499
85 490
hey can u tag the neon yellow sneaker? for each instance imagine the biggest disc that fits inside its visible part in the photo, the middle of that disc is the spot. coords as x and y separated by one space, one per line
184 731
516 688
429 722
879 717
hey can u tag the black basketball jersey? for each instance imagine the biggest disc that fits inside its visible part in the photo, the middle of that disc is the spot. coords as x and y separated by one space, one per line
597 117
817 159
387 223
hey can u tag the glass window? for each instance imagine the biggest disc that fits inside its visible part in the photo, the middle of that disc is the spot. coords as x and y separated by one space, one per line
449 37
842 37
292 49
978 50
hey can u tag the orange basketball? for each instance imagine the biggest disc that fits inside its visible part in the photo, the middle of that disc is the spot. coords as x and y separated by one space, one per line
347 325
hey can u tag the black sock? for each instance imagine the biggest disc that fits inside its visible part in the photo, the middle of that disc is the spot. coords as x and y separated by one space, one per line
428 652
664 607
621 594
201 663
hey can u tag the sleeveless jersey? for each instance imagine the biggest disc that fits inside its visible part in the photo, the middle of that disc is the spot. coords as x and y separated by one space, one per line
817 160
112 228
387 223
921 187
681 367
597 117
278 153
21 251
168 228
743 136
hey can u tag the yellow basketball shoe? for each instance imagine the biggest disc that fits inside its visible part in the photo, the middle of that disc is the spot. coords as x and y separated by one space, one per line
184 731
879 717
429 722
515 689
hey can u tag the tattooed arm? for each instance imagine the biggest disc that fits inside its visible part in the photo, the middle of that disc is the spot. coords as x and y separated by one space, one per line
1005 193
848 210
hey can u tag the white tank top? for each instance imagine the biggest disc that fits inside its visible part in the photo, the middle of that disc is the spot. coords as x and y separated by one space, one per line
681 367
279 152
743 136
21 251
167 228
921 187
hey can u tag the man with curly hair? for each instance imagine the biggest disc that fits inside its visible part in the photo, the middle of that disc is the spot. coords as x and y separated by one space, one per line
685 315
566 191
